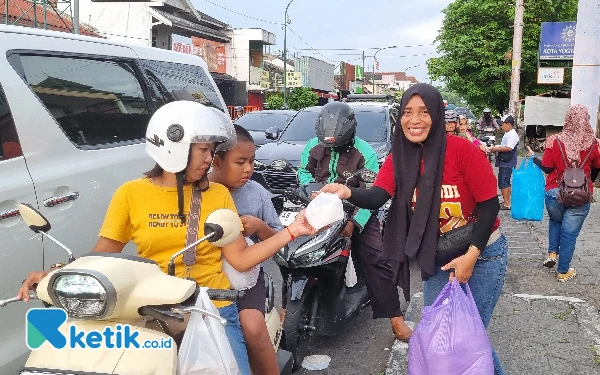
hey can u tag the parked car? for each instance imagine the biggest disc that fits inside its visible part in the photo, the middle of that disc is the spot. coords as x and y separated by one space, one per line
465 112
374 121
258 122
73 118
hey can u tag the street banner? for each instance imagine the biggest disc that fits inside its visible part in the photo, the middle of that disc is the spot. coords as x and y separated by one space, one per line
557 40
551 76
181 44
212 52
359 73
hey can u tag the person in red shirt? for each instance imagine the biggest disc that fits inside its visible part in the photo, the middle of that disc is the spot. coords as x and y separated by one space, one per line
437 183
578 143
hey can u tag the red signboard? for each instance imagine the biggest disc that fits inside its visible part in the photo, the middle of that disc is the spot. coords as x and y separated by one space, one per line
212 52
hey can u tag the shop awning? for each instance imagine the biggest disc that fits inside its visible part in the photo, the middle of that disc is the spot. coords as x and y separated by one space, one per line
182 23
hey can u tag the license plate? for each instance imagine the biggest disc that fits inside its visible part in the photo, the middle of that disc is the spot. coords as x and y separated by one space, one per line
287 217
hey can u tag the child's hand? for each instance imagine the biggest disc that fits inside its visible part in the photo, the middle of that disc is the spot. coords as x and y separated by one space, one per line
251 225
301 227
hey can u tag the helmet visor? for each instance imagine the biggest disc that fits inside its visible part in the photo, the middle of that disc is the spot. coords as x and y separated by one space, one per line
332 124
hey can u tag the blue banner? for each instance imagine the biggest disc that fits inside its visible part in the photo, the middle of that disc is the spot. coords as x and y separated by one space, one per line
557 40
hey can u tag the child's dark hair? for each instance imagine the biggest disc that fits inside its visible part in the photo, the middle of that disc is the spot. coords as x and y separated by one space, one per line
242 135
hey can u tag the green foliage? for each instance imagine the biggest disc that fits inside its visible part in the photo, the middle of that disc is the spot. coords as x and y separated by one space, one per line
475 36
302 97
274 101
452 97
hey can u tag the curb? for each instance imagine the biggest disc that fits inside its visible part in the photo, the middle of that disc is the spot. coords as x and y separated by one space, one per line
588 321
398 361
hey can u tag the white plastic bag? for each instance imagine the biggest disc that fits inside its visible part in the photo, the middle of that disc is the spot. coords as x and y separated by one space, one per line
205 349
324 210
241 280
351 278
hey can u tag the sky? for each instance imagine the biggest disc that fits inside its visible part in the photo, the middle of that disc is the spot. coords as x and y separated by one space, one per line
364 25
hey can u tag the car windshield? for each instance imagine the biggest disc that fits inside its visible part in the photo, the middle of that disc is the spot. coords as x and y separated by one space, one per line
371 126
263 121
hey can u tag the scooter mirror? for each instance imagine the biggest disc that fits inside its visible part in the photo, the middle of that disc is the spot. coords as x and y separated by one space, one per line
33 218
226 224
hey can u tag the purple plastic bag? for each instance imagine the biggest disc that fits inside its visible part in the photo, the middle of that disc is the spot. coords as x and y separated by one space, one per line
451 338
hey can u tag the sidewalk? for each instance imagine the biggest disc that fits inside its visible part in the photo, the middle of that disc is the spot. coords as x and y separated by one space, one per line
539 326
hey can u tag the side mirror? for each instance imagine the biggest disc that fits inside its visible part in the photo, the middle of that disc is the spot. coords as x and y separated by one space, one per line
272 133
367 175
34 219
226 225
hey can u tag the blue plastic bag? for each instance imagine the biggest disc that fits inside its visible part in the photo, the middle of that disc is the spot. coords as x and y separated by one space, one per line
527 197
451 338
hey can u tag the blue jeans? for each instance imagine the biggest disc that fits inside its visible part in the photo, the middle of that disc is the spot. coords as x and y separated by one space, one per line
486 284
565 225
233 329
504 175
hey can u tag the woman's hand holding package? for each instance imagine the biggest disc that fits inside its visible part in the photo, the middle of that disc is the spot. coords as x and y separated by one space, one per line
340 190
463 266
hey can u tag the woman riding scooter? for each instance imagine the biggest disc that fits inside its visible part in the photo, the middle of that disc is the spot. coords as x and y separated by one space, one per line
167 207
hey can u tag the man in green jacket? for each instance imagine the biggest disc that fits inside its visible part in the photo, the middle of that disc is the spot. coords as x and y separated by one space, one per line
335 155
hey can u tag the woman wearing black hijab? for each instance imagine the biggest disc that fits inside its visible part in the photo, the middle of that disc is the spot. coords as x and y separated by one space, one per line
436 183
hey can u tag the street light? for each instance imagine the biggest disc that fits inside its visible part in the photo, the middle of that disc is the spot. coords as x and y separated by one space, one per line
375 60
285 55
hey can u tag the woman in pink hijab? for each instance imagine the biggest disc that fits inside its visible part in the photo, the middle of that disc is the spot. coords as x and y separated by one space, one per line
580 149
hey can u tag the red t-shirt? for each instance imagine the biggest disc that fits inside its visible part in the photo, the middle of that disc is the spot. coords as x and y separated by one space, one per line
553 159
468 179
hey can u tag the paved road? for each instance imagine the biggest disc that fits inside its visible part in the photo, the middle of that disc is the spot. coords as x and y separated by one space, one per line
541 326
360 349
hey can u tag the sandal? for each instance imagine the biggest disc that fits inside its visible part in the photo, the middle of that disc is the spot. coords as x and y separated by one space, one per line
400 329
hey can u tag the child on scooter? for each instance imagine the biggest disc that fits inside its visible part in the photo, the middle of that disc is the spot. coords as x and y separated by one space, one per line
233 169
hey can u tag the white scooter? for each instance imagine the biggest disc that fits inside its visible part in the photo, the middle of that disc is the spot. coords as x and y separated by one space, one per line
104 292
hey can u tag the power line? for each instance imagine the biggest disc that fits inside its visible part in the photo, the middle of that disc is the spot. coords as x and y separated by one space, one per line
361 49
308 44
243 15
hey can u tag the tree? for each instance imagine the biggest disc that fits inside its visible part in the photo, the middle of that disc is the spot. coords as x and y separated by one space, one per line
474 39
302 97
274 101
452 97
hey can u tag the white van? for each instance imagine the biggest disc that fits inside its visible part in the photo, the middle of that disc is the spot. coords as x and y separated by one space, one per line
73 116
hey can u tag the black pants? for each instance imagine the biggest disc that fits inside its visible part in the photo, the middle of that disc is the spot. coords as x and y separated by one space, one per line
367 248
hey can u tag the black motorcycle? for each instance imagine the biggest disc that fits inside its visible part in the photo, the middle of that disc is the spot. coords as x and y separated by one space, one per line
488 137
315 295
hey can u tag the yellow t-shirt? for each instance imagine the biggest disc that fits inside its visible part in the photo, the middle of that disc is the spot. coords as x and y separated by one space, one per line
146 214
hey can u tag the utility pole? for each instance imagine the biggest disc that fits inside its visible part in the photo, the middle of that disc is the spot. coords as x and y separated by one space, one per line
285 55
362 90
515 104
75 16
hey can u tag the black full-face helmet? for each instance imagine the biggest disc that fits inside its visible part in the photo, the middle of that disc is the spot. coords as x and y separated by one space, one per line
336 124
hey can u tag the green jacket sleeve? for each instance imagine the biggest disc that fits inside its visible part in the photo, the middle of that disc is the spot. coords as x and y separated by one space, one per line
305 175
362 215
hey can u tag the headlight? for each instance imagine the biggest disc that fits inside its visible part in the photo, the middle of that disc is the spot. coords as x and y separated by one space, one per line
82 295
312 250
259 165
310 257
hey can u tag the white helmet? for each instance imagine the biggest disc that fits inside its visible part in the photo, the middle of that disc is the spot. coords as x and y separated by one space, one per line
176 125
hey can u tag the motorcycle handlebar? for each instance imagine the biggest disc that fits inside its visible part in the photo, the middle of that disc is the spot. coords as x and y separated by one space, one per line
231 295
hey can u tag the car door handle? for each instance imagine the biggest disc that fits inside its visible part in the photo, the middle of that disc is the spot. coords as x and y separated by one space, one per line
53 201
8 214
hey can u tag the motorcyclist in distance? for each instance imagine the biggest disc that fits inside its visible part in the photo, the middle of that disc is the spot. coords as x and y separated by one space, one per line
487 121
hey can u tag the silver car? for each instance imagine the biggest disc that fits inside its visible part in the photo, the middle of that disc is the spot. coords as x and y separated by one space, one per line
73 116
